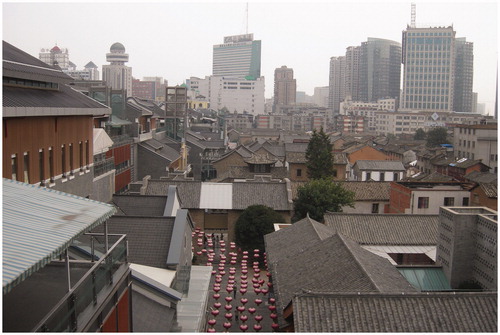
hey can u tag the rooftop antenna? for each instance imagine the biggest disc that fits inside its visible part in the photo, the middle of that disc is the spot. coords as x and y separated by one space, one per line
413 15
246 31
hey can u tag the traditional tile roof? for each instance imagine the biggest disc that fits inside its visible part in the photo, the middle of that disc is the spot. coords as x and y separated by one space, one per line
296 147
140 205
189 191
296 157
434 176
340 158
334 264
482 177
148 238
368 190
295 238
378 165
161 149
489 189
396 313
386 229
261 159
273 195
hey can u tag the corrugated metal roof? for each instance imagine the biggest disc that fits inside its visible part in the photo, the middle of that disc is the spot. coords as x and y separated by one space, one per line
426 279
39 223
216 196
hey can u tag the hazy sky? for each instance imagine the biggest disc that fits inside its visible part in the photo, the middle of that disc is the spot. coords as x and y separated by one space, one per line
174 40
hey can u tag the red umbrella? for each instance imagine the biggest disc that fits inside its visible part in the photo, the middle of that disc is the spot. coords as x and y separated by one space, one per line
272 300
244 317
257 327
273 316
272 308
243 290
217 304
229 315
252 310
258 318
258 301
244 300
212 322
215 312
227 325
241 309
275 326
228 299
244 327
228 307
216 296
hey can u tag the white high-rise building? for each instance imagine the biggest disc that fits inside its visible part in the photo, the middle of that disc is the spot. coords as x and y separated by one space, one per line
117 74
238 56
55 56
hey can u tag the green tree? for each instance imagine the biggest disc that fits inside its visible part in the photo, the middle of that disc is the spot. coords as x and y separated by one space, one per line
318 196
437 136
255 222
419 134
319 156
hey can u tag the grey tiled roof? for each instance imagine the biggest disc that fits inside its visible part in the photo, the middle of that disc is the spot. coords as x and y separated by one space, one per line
148 238
296 157
434 176
380 165
295 238
273 195
396 313
243 172
161 149
335 264
368 190
140 205
296 147
189 191
482 177
386 229
490 189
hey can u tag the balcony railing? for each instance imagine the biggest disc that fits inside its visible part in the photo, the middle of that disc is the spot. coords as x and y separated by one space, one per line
74 311
101 167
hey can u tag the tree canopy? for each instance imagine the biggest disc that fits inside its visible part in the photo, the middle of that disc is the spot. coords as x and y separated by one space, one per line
318 196
319 156
255 222
419 134
437 136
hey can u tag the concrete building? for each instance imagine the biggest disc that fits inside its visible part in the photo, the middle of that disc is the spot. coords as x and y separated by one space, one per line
285 86
352 68
477 141
143 89
438 70
320 96
377 170
379 70
238 56
467 246
117 74
55 57
237 94
336 83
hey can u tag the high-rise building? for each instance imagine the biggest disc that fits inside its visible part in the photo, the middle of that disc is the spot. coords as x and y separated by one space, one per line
380 70
238 56
437 66
285 86
336 83
117 74
463 98
352 65
55 56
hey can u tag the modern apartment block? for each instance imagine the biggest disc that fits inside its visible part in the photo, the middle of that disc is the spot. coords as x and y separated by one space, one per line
352 65
438 70
477 141
238 56
336 83
117 74
285 86
467 246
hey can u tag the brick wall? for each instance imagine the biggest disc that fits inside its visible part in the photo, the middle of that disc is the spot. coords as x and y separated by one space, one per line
399 198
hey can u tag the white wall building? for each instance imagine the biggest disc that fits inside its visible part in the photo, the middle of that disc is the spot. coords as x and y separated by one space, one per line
117 74
235 94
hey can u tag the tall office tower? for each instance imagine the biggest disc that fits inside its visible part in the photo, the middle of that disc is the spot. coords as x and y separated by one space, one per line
285 87
55 56
117 74
336 83
380 70
239 56
429 64
352 72
464 71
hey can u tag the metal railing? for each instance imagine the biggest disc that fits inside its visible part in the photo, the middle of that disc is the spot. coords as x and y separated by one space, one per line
103 166
65 315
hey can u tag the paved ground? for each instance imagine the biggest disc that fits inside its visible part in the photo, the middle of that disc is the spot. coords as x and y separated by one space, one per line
222 280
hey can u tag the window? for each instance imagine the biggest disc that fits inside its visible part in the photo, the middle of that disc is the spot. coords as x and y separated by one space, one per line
299 172
51 164
81 155
87 153
465 202
375 208
13 162
71 166
41 168
382 176
423 202
26 167
368 175
63 160
449 201
396 176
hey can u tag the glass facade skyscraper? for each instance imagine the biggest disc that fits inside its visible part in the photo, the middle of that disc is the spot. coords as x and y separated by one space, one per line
238 56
